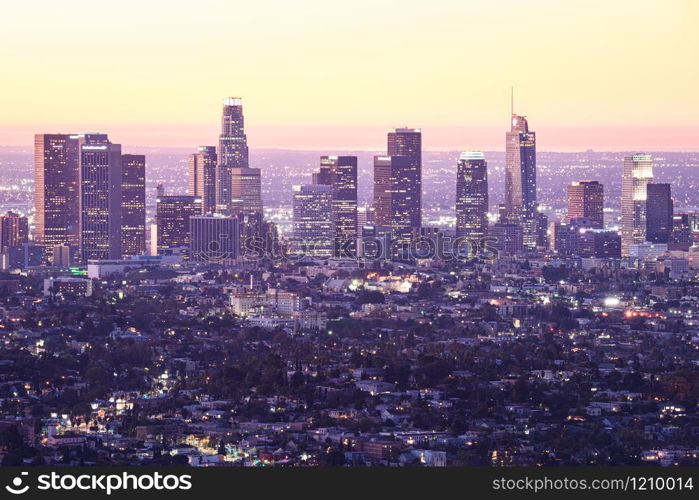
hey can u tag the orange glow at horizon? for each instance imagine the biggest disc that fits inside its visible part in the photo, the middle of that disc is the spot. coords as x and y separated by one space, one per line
597 74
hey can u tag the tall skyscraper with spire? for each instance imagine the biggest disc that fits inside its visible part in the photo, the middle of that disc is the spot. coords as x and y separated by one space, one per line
637 174
520 179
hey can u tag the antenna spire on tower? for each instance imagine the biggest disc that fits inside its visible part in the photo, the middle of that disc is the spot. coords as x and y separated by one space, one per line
512 100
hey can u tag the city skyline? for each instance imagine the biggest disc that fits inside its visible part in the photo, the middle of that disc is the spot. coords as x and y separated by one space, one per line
305 234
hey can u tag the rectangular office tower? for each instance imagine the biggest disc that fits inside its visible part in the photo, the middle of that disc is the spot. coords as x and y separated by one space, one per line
246 190
340 172
586 201
407 142
56 188
202 176
313 226
472 197
232 149
100 199
133 205
394 198
214 239
14 230
659 212
172 219
637 174
520 179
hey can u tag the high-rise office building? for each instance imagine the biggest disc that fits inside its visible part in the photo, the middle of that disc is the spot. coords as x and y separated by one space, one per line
313 226
472 196
681 237
214 239
172 218
637 174
14 230
407 142
506 239
202 176
542 224
133 205
520 179
246 190
232 150
365 216
563 239
340 172
598 243
659 211
394 198
100 199
56 188
586 201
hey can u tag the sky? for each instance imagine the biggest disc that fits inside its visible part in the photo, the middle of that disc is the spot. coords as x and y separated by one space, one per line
606 75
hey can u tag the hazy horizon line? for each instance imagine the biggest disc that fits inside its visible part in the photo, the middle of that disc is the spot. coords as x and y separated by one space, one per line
344 149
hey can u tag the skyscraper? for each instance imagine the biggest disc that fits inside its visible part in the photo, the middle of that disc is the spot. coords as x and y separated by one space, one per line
472 196
172 218
246 190
659 211
14 230
681 237
56 178
133 205
340 172
202 176
637 174
394 198
407 142
586 201
313 226
214 239
232 149
506 239
520 179
100 199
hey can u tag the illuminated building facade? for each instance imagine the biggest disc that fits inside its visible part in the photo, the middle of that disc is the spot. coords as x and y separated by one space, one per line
56 190
232 150
586 200
471 196
172 218
407 142
340 172
100 199
313 226
520 179
637 174
202 176
133 205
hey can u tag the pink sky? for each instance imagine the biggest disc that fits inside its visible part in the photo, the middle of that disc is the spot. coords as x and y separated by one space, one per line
552 138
